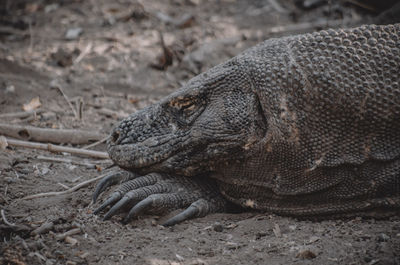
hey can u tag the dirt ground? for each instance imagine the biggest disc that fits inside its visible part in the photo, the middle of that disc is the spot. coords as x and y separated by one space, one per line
107 58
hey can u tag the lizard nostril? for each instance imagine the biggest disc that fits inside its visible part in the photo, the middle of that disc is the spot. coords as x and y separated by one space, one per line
115 136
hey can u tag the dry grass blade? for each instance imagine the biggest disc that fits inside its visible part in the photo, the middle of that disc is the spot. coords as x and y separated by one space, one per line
58 193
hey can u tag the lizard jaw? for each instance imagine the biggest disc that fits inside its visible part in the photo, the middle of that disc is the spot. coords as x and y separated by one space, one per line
140 155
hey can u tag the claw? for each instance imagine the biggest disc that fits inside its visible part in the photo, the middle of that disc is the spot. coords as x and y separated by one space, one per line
188 213
198 208
118 206
159 194
138 208
132 197
112 199
111 179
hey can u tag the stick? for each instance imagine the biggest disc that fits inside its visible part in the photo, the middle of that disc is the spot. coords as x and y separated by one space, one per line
68 233
21 114
96 143
57 193
84 53
66 160
63 185
57 148
68 101
44 228
3 215
49 135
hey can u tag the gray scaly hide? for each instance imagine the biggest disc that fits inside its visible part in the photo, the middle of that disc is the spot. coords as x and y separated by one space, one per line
303 125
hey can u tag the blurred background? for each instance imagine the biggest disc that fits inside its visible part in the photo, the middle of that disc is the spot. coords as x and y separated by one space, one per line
118 56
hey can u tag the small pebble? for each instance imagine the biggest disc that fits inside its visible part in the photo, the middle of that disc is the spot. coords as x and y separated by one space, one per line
73 33
10 89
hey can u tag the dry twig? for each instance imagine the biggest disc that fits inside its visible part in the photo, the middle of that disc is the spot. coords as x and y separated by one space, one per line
68 233
68 101
63 185
69 161
57 148
3 215
87 49
44 228
96 143
50 135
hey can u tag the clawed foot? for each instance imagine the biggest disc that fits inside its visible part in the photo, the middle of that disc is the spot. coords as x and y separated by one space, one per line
159 193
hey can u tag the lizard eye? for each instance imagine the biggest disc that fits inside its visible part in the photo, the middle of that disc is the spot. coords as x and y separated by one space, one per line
185 111
182 104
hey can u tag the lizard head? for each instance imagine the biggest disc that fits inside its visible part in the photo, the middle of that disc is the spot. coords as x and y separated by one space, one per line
211 120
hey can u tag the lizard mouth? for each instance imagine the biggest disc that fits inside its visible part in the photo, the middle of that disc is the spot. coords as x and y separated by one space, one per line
132 156
149 154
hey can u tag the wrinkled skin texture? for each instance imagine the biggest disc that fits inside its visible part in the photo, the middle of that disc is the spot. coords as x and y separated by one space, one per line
304 125
194 129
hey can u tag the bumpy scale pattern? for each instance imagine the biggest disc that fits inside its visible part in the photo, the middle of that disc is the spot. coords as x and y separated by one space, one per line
331 100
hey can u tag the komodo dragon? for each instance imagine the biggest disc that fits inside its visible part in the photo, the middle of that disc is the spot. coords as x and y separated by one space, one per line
304 126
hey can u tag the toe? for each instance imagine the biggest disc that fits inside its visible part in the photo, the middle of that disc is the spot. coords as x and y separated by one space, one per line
124 188
132 197
199 208
160 194
112 179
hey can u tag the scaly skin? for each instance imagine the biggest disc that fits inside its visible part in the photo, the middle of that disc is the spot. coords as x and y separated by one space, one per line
307 125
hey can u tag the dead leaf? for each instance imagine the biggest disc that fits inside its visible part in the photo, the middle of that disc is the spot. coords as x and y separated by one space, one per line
166 58
306 254
3 143
277 231
33 104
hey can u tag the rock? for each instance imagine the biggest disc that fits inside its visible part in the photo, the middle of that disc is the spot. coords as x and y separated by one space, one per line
73 33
